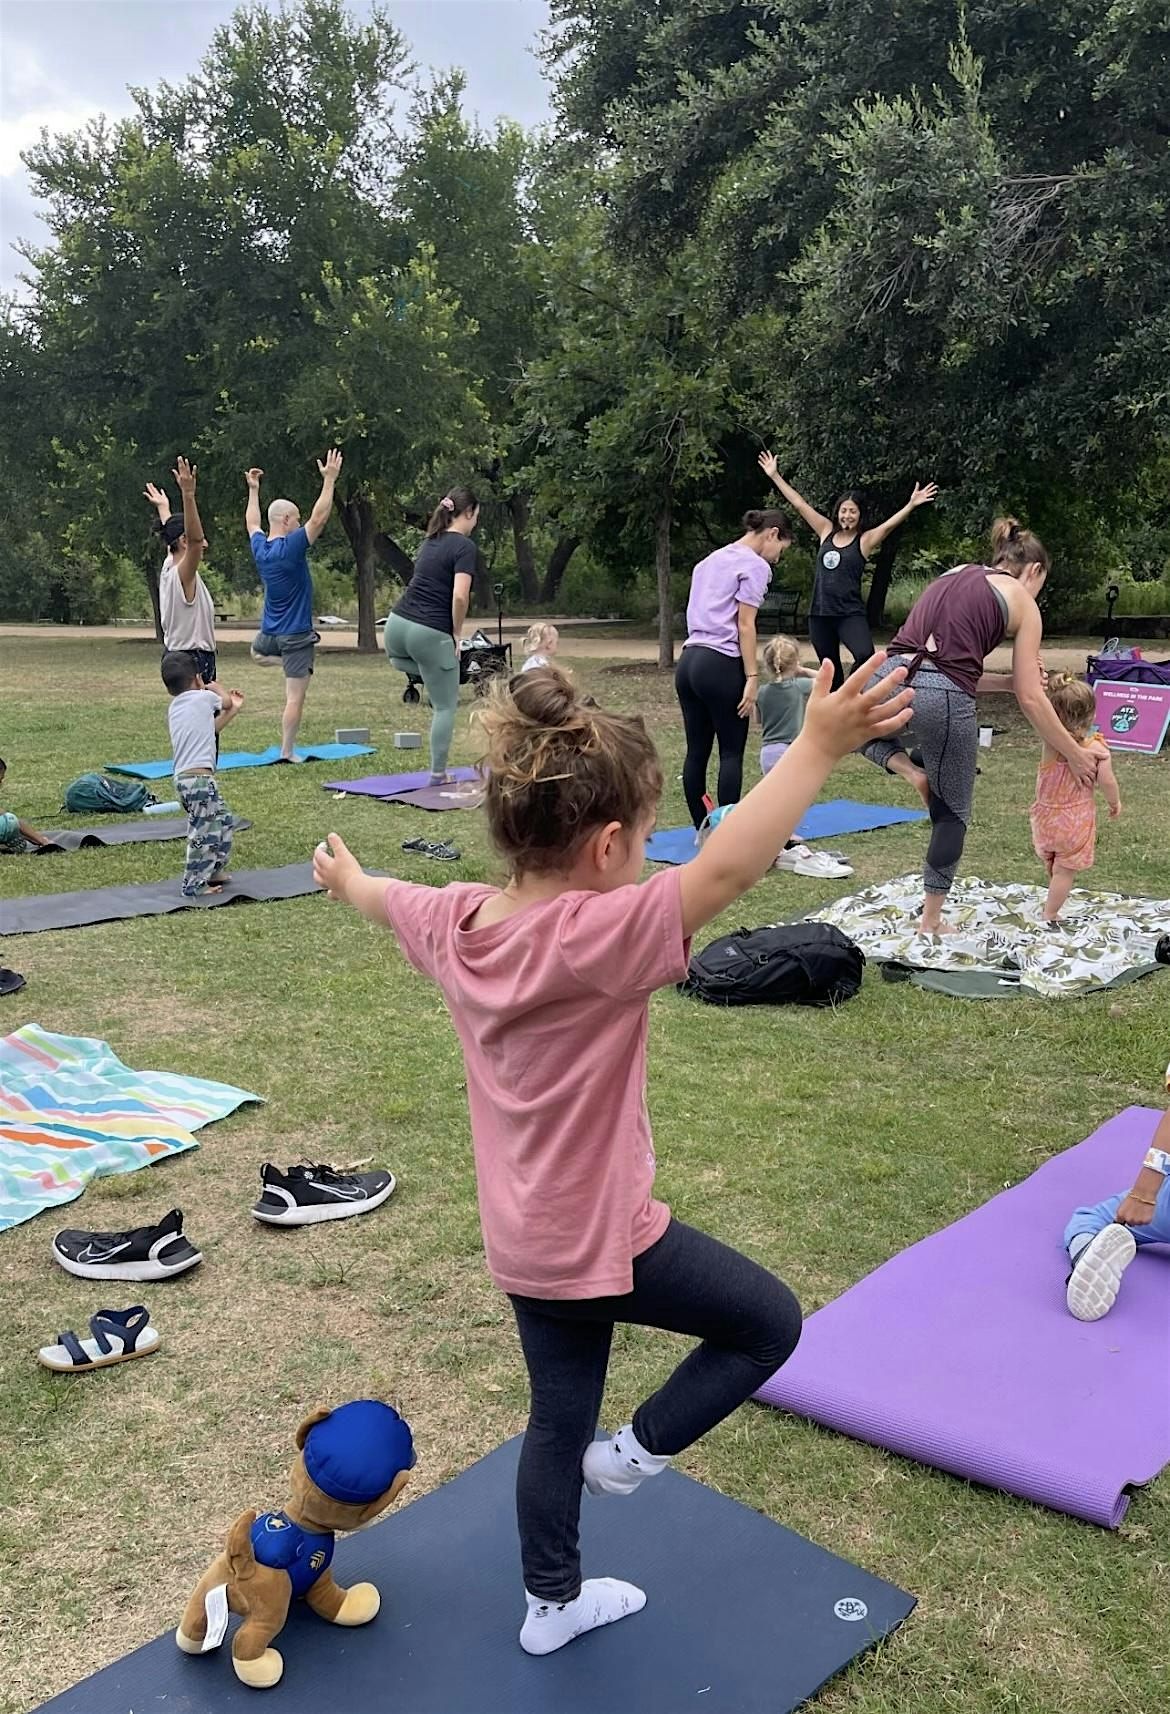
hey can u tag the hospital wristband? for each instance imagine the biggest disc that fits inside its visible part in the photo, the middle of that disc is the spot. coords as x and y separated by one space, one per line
1159 1160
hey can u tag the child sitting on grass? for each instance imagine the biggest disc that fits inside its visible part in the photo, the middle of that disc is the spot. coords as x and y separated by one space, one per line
540 645
548 982
1064 815
1103 1240
196 717
780 705
16 836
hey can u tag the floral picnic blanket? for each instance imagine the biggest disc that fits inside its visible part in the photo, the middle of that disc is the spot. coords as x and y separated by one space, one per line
1003 946
70 1111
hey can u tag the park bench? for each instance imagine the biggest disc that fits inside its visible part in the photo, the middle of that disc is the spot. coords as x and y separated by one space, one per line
778 612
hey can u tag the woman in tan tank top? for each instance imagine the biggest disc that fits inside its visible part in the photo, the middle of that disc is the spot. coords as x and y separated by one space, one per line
951 629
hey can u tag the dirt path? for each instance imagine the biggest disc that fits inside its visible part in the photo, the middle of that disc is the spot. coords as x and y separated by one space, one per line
590 639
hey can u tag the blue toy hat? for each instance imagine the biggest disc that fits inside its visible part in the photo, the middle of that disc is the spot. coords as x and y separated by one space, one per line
357 1451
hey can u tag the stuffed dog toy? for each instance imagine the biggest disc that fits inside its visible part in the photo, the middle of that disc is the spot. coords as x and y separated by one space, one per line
353 1462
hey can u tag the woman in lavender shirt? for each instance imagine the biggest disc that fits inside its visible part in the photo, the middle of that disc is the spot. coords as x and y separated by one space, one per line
716 677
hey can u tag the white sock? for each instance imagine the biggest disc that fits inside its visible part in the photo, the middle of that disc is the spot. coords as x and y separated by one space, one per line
602 1601
617 1465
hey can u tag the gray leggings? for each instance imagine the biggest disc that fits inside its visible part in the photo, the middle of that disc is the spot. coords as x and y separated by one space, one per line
945 729
748 1323
430 655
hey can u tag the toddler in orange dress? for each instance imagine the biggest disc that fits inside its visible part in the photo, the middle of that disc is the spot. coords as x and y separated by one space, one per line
1064 815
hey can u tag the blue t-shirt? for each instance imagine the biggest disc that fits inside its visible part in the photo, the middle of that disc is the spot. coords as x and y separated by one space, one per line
283 565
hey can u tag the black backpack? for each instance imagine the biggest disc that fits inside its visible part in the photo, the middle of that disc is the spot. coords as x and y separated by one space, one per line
790 964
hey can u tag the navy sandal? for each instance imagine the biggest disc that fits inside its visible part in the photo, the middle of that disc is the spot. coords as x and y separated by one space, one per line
440 849
118 1335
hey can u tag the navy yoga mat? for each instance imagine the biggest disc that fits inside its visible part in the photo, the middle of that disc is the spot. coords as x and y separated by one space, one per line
394 785
126 833
245 759
43 911
960 1352
823 821
743 1617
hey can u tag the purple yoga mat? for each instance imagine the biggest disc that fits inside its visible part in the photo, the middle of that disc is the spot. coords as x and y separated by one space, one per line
960 1352
393 785
456 796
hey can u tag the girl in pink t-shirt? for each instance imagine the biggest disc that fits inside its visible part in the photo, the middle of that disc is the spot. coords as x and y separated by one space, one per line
548 981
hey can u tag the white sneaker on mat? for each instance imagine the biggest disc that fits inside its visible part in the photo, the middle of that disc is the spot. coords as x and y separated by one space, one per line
1096 1277
617 1465
817 865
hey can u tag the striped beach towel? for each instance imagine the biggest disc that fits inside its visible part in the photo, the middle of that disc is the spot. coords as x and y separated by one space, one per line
70 1111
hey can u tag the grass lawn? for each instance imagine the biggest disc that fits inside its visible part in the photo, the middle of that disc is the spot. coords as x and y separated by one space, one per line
820 1143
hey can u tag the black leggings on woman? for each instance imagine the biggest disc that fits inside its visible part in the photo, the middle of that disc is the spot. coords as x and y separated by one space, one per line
710 688
826 633
748 1323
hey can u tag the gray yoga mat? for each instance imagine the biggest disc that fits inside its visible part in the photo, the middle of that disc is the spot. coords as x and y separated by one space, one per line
743 1617
125 833
149 898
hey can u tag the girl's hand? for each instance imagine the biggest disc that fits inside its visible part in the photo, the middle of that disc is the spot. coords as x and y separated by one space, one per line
1114 811
768 465
748 700
1134 1211
843 720
922 496
335 870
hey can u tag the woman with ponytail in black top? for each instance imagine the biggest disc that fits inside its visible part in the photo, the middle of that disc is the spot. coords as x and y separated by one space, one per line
837 612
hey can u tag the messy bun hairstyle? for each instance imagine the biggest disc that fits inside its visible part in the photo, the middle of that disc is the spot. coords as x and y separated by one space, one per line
557 767
1073 701
767 518
1013 547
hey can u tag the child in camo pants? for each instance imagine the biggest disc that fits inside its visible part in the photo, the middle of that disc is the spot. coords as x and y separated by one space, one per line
196 717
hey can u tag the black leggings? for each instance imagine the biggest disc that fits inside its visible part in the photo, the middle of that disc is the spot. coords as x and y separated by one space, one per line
749 1324
827 633
710 688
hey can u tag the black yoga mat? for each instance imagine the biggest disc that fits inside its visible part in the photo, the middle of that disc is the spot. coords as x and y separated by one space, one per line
149 898
743 1617
125 833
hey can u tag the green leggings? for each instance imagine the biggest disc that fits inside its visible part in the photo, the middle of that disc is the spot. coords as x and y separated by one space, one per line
429 655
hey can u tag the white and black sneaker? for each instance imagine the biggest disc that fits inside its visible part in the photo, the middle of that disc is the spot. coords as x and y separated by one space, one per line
303 1195
146 1253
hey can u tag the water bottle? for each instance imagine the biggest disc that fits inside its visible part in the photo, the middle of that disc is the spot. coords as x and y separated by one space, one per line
175 808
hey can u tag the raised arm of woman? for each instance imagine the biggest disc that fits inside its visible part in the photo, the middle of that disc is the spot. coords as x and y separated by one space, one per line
816 521
871 540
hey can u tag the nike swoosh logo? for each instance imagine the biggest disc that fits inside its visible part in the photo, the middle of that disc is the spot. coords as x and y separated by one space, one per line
100 1252
353 1195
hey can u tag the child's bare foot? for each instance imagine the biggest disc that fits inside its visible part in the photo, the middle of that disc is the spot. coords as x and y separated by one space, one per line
219 880
937 928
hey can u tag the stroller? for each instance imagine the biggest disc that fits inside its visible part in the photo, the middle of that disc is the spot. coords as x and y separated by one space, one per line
480 660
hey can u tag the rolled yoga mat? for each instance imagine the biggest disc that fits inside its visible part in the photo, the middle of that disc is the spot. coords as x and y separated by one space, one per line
245 759
393 785
960 1352
823 821
742 1617
125 833
149 898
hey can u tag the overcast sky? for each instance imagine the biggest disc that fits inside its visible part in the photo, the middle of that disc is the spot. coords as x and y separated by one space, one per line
65 61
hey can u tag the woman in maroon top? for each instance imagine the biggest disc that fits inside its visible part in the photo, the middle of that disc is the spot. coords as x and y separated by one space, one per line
951 629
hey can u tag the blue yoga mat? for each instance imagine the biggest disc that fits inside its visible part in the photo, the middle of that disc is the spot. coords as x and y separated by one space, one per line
823 821
244 759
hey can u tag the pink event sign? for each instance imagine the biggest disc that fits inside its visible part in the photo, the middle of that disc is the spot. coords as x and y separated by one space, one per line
1133 716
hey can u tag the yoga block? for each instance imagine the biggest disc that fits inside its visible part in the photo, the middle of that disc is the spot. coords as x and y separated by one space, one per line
352 735
408 740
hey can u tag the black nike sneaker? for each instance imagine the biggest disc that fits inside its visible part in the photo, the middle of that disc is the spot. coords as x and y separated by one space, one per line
303 1195
146 1253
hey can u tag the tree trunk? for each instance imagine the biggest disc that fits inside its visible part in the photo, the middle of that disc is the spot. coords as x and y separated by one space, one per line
357 520
517 504
389 552
662 574
558 561
150 572
883 571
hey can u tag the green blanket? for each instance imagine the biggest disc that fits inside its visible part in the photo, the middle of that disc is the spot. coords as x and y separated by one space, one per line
1003 947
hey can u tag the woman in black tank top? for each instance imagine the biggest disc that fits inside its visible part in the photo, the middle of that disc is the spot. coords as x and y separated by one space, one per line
837 612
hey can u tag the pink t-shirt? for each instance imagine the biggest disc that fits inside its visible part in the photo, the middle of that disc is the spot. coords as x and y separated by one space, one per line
551 1007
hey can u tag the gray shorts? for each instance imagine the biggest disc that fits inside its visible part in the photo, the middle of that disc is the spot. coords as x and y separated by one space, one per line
295 653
